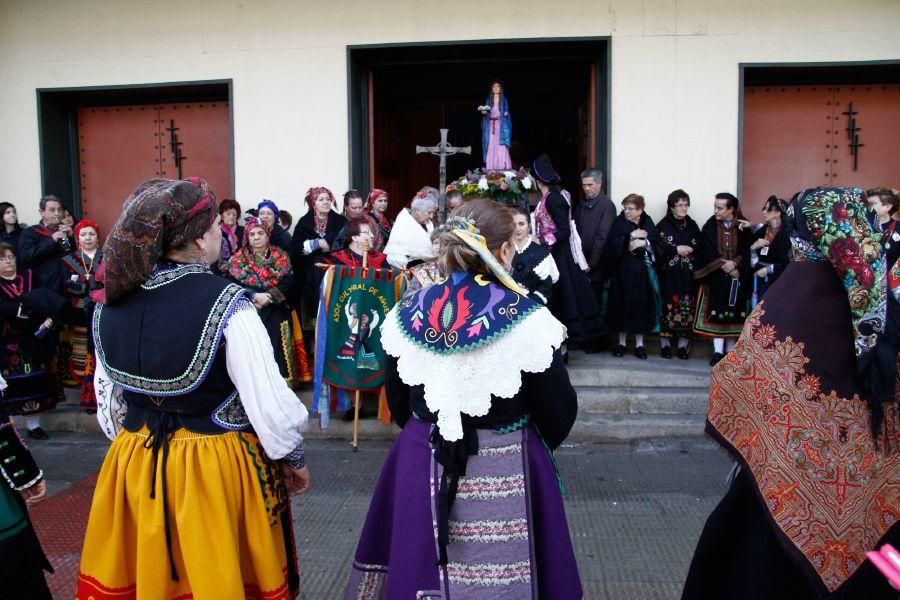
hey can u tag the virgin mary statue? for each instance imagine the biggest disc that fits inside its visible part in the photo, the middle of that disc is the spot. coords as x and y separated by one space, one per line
496 129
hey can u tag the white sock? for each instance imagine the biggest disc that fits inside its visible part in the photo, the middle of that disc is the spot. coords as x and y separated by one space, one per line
683 342
32 421
664 342
622 340
639 340
729 344
719 345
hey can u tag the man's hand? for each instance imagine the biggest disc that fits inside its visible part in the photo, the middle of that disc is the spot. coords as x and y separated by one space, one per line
59 234
297 481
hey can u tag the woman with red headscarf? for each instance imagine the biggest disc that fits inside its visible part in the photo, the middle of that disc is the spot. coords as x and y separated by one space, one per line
313 237
266 271
79 273
377 205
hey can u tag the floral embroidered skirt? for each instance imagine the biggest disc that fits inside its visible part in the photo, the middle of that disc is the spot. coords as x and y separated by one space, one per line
228 515
508 531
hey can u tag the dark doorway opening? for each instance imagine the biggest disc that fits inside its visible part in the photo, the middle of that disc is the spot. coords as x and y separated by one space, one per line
402 95
69 130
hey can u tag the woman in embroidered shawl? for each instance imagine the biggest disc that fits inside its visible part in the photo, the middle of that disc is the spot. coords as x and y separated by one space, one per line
482 394
266 271
573 301
314 235
806 403
376 205
533 268
631 250
79 275
679 237
192 500
28 314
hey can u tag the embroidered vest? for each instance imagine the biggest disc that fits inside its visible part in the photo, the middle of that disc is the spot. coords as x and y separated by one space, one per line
544 226
164 345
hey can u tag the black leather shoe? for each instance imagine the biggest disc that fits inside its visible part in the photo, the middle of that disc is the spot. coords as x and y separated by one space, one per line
640 353
683 353
38 434
716 357
666 352
619 351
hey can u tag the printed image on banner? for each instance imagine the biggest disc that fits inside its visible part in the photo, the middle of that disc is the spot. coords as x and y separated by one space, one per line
357 305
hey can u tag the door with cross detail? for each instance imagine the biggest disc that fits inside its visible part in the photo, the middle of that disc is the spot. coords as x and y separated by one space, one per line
120 146
796 137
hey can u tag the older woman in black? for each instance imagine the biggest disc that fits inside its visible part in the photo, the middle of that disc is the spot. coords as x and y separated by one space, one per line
679 236
631 250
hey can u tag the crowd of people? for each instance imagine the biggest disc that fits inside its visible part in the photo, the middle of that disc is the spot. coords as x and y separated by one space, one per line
203 417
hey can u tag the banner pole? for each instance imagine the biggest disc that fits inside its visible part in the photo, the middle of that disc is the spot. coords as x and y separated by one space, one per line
356 400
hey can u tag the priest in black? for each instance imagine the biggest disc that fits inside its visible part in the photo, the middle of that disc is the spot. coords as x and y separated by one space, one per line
723 270
679 237
631 251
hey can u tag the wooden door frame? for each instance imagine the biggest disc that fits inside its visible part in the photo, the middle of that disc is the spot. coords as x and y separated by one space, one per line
360 61
807 73
58 124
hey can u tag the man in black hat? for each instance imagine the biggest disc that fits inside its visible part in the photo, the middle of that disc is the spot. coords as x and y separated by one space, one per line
594 218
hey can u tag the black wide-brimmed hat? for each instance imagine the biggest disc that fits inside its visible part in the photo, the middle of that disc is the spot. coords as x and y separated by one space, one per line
543 169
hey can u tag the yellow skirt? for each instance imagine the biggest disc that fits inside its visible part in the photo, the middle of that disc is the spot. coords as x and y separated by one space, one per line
226 508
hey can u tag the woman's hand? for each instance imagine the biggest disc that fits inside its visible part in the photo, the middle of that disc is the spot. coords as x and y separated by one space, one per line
261 300
35 494
639 233
728 266
684 250
47 324
762 273
636 243
323 245
761 243
297 481
744 224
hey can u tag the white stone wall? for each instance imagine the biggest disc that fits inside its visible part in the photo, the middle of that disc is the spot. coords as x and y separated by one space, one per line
674 73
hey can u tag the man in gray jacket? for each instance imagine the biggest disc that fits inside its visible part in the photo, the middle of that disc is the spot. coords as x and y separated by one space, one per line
594 218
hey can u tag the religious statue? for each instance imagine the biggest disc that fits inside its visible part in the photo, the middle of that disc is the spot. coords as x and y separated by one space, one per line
496 129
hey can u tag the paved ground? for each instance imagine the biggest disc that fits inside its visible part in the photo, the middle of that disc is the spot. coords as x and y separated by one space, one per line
635 511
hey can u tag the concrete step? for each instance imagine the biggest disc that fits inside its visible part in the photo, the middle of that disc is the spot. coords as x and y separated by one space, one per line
596 427
677 401
605 370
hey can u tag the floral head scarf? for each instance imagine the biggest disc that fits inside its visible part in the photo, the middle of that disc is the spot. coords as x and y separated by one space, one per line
254 223
161 214
313 193
836 224
374 195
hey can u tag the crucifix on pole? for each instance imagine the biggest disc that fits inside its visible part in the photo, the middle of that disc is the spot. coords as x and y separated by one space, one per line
443 150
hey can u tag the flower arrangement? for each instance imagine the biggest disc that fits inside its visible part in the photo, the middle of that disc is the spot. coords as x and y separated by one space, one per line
502 186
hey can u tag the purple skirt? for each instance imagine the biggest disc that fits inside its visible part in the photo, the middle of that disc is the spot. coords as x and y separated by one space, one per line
508 533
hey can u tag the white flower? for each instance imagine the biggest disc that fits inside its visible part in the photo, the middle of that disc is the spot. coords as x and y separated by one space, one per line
482 183
526 182
509 174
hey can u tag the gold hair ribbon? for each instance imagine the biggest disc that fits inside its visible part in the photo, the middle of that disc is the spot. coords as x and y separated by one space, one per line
465 230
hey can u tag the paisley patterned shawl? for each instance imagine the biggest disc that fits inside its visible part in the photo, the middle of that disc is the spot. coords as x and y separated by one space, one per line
784 404
461 313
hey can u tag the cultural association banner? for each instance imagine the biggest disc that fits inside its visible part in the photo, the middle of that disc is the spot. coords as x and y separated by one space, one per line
354 307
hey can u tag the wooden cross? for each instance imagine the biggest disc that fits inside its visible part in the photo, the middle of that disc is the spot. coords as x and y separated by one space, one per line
443 150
